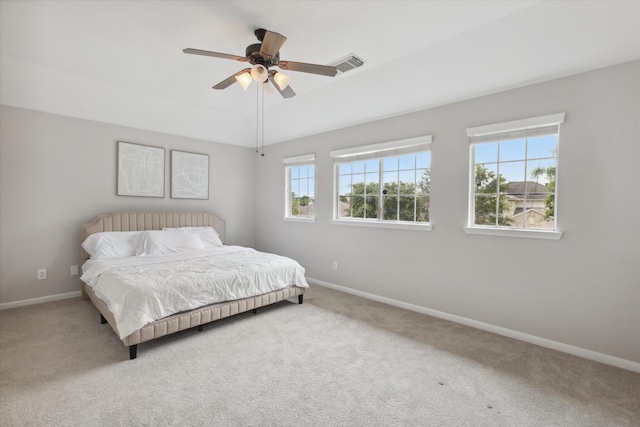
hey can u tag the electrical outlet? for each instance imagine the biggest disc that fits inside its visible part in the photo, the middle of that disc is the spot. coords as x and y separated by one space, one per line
42 274
335 265
75 270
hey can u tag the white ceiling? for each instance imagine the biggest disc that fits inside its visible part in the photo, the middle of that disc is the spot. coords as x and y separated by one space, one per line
121 62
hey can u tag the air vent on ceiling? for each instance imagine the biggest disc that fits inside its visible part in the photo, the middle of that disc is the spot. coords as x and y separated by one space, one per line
348 63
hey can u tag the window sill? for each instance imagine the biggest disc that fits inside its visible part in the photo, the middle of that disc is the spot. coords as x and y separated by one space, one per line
383 224
301 219
529 234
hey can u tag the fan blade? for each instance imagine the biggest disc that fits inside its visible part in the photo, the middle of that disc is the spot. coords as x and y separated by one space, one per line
271 44
230 80
323 70
215 54
287 92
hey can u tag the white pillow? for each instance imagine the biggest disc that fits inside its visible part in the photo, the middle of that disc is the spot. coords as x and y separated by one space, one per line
208 235
110 244
160 242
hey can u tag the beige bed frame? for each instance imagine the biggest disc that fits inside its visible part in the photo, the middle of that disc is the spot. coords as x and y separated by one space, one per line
139 221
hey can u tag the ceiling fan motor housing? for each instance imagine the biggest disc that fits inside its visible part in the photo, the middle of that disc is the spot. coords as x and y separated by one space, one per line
253 55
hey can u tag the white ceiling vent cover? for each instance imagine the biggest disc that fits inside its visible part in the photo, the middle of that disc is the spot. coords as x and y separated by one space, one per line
348 63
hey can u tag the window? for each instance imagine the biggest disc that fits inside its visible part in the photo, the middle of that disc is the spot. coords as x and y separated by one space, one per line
384 184
513 178
300 188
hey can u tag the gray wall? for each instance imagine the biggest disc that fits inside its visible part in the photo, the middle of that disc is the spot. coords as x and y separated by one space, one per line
57 173
583 290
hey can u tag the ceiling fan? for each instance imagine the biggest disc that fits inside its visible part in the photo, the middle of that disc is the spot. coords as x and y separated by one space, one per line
263 56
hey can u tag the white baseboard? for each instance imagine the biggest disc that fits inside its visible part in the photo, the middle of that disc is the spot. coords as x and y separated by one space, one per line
40 300
543 342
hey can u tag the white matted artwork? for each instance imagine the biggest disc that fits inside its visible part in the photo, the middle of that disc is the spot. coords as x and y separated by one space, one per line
140 170
189 175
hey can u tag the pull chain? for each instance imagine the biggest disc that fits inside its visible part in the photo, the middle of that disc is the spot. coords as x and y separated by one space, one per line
259 125
257 117
262 88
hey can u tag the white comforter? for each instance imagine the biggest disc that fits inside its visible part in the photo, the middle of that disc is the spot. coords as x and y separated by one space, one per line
139 290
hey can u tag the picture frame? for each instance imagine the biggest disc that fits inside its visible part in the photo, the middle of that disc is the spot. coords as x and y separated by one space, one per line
140 170
189 175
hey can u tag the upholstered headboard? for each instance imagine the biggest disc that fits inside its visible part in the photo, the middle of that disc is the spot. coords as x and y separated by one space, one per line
140 221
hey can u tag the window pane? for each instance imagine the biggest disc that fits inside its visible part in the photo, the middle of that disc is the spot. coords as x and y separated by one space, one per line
308 210
357 167
372 178
486 153
294 172
344 184
303 187
311 171
372 165
424 182
311 189
512 150
423 159
407 188
344 207
390 208
536 218
344 168
542 146
358 183
507 208
390 177
408 181
408 161
390 164
485 210
357 206
373 188
422 209
513 171
407 208
542 171
486 178
360 209
371 208
294 188
304 171
304 206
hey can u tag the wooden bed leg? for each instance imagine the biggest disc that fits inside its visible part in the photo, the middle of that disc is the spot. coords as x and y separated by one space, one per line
133 351
200 328
254 311
102 319
300 299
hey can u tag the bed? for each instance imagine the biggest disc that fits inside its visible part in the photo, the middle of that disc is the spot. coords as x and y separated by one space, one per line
118 280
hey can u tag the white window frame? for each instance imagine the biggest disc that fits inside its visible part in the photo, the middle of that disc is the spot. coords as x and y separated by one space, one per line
289 162
506 131
375 151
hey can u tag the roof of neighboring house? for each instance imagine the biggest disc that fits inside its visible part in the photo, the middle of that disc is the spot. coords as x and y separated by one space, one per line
534 190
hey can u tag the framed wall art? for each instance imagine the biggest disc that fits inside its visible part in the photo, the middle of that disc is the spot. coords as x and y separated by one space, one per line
140 170
189 175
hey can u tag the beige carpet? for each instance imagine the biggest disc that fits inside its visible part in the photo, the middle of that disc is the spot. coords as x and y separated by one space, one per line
336 360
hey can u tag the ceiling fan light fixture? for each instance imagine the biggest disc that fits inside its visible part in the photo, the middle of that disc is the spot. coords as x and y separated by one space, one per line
244 79
282 80
259 73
